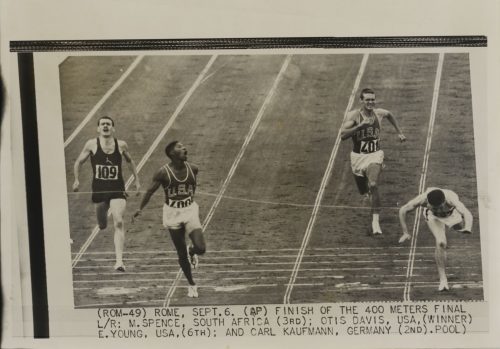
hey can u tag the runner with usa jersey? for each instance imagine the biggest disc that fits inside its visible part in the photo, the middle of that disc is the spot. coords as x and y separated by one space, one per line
180 211
363 127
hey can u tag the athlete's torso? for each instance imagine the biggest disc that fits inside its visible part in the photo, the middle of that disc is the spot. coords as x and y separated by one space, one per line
107 169
179 188
367 137
445 210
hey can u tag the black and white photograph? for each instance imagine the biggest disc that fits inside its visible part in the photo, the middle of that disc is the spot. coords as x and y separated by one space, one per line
298 168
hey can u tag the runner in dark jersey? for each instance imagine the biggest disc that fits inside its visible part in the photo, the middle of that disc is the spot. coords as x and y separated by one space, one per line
441 208
180 211
108 189
107 181
363 126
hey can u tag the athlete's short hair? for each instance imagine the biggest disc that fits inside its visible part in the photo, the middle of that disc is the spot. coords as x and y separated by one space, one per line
170 146
435 197
366 91
105 117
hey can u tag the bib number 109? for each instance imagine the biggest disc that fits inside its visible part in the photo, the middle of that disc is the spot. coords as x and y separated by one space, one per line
369 146
106 172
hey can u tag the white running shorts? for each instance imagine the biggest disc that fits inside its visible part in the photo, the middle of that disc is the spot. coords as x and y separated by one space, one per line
176 218
360 162
449 221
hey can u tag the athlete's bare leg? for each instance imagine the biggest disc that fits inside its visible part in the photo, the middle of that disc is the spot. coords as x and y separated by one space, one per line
372 174
198 241
101 212
439 231
117 208
362 184
179 239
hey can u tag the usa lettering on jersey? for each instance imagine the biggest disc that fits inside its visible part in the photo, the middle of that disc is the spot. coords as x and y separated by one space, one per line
368 132
179 193
181 189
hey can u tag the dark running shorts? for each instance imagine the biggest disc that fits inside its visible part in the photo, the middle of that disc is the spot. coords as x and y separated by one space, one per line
107 197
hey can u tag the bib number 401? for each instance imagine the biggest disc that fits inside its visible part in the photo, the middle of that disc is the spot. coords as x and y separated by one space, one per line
369 146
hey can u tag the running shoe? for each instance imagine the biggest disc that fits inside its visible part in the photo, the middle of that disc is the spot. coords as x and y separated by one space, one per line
193 291
120 267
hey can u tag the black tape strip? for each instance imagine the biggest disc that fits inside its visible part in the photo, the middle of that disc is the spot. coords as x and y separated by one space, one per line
33 196
248 43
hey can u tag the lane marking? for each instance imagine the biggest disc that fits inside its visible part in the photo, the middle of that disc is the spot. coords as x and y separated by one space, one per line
278 270
157 141
237 251
324 182
423 176
272 256
94 110
266 202
236 162
276 263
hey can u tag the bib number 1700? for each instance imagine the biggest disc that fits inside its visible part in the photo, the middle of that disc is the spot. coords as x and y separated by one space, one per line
369 146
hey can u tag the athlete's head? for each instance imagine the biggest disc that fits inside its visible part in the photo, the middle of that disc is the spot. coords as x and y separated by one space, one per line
105 117
105 126
435 197
176 151
367 97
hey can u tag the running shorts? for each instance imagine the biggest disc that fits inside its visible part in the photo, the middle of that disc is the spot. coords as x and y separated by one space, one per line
187 217
449 221
360 162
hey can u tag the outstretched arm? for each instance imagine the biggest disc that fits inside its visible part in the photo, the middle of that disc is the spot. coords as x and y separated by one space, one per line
394 123
155 184
403 211
84 155
131 165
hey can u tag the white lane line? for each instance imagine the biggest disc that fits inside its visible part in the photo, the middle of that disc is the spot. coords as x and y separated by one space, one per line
259 277
432 282
113 88
428 284
423 176
238 251
107 281
288 256
157 141
277 203
324 182
266 202
236 162
372 262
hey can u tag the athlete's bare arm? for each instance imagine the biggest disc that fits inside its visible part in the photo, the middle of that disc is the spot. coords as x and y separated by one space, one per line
460 207
159 178
131 164
388 115
84 155
350 126
403 211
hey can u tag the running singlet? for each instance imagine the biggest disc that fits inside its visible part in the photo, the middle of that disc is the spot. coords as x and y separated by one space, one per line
107 169
442 212
179 193
366 139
